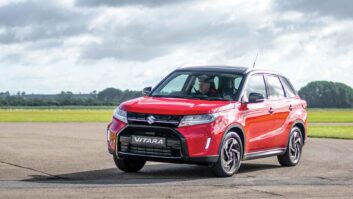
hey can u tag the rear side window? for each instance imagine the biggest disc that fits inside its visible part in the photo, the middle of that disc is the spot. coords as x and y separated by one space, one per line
256 84
274 87
288 88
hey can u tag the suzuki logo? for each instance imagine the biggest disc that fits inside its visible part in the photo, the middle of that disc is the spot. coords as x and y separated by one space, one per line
150 119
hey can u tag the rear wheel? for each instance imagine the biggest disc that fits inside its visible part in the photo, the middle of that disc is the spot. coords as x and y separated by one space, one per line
294 149
230 156
129 165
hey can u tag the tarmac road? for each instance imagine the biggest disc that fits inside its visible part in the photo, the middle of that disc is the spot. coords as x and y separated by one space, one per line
57 160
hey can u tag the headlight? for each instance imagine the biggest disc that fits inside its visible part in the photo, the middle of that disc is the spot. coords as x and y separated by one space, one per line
120 114
189 120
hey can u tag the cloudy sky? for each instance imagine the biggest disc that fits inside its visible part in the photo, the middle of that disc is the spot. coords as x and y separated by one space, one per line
85 45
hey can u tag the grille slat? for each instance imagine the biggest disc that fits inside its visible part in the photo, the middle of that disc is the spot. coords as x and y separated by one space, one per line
160 120
150 151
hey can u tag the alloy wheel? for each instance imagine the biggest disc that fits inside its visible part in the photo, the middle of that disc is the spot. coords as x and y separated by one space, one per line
231 157
295 146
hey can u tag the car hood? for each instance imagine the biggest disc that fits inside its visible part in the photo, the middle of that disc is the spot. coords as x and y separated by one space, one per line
175 106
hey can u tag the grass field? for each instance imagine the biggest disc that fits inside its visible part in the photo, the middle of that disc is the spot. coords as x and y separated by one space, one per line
55 115
104 114
341 132
330 115
59 107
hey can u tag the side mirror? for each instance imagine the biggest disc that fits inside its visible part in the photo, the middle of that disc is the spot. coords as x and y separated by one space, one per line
147 90
256 97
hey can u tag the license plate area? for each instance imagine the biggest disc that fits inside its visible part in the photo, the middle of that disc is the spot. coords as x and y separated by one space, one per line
148 141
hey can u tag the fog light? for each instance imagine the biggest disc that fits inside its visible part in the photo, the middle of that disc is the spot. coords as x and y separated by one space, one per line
111 137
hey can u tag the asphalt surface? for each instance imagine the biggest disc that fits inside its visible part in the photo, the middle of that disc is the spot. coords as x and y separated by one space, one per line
57 160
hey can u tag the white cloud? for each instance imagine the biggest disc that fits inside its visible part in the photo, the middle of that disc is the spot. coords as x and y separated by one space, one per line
81 47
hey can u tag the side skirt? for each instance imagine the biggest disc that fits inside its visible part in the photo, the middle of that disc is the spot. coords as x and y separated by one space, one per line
263 154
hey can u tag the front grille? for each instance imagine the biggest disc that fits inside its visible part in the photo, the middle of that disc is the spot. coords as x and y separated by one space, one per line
171 149
151 151
158 120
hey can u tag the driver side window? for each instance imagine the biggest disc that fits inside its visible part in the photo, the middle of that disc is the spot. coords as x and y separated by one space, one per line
256 84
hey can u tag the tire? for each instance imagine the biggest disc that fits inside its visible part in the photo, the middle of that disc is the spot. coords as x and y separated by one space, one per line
129 165
294 149
230 155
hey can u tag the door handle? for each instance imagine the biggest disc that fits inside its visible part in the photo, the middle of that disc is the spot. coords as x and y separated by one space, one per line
271 110
290 107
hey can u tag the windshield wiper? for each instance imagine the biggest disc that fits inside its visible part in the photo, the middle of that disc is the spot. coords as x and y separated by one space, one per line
216 98
208 98
171 96
193 97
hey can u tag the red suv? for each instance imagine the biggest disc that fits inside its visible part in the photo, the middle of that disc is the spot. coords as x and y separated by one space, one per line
215 116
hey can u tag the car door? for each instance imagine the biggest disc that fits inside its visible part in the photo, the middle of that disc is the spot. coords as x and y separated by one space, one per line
257 118
279 109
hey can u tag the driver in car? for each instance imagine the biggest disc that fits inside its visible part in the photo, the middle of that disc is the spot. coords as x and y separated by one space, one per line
207 86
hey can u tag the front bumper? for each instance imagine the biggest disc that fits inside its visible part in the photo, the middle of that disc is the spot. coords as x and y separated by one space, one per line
175 151
185 159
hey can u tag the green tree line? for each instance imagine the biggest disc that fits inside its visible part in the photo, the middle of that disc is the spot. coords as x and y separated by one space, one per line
325 94
106 97
318 94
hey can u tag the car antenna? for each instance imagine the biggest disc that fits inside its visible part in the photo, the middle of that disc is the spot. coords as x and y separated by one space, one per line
253 66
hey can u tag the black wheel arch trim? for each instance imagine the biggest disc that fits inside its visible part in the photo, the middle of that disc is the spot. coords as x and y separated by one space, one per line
264 154
304 134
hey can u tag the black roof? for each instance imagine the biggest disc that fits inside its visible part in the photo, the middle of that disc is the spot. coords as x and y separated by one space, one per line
233 69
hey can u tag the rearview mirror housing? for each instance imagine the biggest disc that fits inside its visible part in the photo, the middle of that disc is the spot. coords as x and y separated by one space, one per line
147 90
256 98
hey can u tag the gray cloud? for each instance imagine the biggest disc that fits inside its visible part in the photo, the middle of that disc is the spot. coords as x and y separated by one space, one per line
32 21
122 3
95 39
35 33
335 8
24 13
122 51
142 39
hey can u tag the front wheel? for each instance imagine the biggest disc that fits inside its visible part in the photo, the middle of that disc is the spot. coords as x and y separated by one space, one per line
294 149
230 156
129 165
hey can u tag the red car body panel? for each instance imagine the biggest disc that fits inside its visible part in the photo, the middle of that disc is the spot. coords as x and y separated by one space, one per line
253 118
175 106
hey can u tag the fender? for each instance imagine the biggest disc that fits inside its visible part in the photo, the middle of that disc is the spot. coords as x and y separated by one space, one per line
239 126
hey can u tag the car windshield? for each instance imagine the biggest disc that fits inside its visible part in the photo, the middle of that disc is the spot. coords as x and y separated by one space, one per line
200 85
